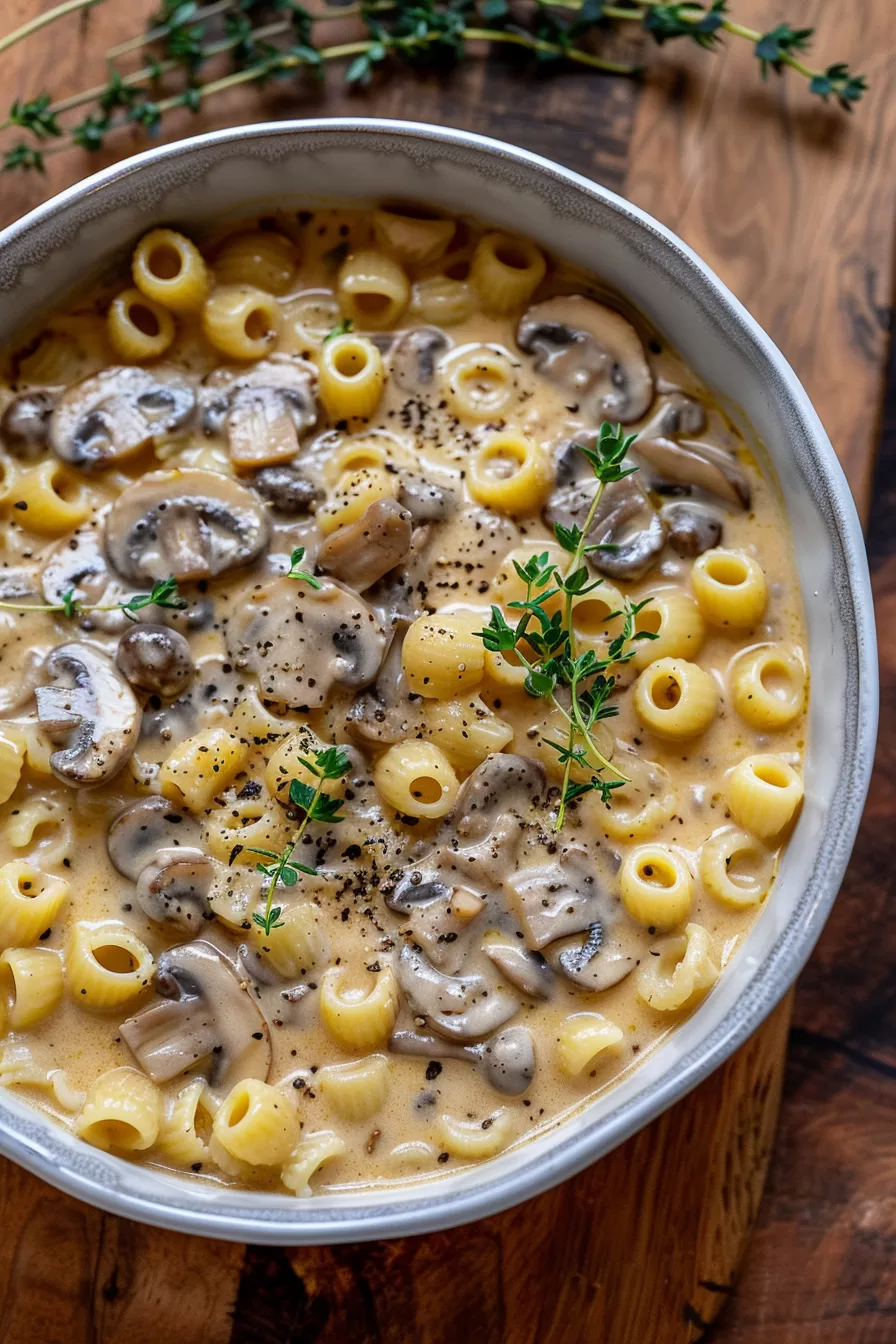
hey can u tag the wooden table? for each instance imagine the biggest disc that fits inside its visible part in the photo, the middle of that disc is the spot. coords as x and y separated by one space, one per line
794 206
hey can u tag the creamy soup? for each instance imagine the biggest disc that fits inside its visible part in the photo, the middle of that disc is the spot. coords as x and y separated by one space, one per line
402 694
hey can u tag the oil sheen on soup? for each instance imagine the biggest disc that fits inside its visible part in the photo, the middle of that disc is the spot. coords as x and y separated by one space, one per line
402 691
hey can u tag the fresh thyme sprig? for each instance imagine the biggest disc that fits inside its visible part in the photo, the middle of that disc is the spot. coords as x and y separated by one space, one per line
164 594
271 39
327 764
345 327
545 642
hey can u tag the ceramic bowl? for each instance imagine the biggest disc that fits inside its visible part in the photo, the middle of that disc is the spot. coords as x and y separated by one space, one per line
197 181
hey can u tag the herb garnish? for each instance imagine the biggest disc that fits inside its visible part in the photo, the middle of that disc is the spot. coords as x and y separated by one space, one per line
164 594
345 327
579 685
295 560
274 39
326 764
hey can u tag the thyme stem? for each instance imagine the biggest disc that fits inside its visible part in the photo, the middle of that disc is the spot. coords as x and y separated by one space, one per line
34 25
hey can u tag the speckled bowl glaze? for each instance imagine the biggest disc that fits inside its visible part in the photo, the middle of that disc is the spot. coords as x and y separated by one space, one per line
62 243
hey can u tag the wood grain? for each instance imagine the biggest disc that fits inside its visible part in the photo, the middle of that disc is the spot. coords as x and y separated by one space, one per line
795 208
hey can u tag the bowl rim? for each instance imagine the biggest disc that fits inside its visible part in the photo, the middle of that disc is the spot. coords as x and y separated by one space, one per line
488 1194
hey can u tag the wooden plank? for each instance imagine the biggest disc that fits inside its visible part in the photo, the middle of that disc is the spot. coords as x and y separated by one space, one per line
791 204
795 212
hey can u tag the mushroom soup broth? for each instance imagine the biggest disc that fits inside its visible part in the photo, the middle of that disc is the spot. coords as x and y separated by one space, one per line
347 836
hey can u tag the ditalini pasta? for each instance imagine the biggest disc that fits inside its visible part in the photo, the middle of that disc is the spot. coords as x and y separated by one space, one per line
402 698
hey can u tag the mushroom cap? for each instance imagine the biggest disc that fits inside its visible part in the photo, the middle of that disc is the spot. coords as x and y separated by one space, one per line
507 1061
90 708
77 564
361 552
155 658
462 1007
189 524
301 642
425 501
115 413
593 353
143 828
25 426
414 356
206 1020
691 527
287 489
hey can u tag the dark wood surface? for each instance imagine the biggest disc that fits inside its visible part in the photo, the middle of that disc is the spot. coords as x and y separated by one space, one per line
794 206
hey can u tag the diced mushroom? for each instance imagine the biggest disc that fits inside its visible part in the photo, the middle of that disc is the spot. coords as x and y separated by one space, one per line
185 524
362 552
301 642
593 353
527 971
144 828
92 710
287 489
458 1007
415 355
626 521
25 426
673 455
264 411
506 1060
691 527
174 888
206 1022
154 658
117 412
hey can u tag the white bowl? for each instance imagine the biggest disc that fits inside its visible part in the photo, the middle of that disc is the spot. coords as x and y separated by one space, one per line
59 245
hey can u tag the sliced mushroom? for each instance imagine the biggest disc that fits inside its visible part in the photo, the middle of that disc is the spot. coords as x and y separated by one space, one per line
458 1007
503 786
559 897
25 426
362 552
415 355
263 411
117 412
593 353
388 712
174 888
301 642
144 828
156 659
506 1060
626 521
527 971
674 458
287 489
609 953
186 524
691 527
439 915
206 1021
77 565
92 710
